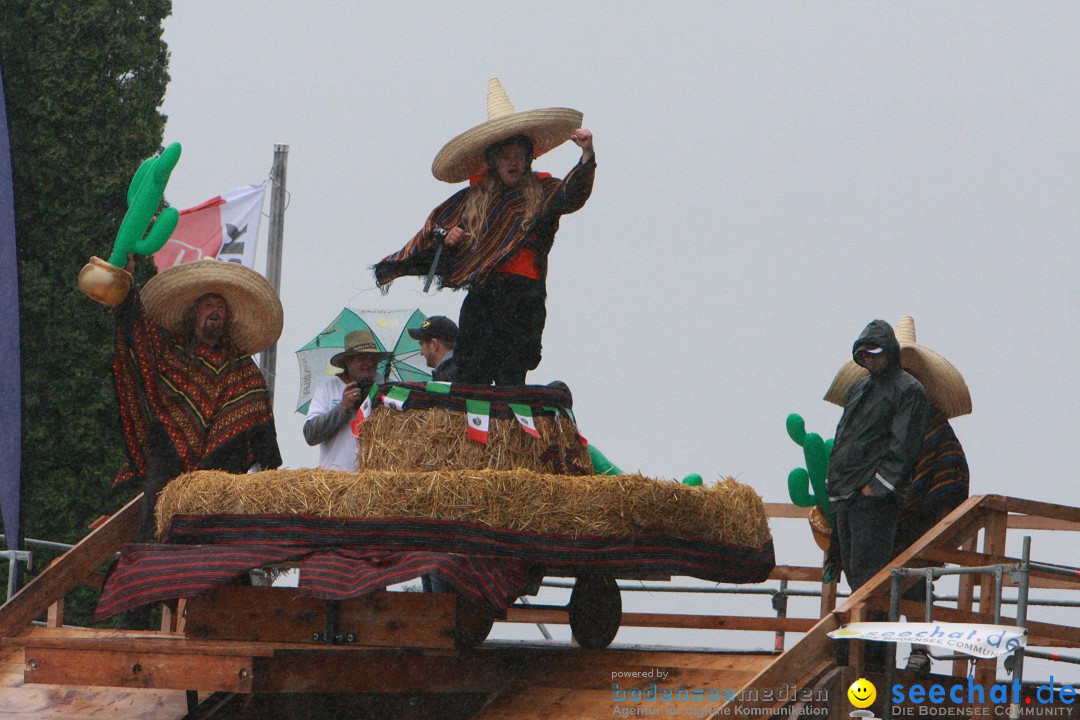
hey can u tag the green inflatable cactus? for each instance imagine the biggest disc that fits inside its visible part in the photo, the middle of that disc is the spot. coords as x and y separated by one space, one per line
806 486
603 466
144 197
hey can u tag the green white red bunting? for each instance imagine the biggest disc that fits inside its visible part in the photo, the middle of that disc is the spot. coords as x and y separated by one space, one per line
478 414
438 387
396 398
364 411
581 438
524 416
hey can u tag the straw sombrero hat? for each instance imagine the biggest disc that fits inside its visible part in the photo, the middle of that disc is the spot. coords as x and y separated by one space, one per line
463 157
943 382
255 314
359 342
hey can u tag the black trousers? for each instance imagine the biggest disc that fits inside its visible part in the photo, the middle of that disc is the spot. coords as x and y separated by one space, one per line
500 329
866 529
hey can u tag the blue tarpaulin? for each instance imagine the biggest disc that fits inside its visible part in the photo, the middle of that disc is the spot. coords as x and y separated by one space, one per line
10 367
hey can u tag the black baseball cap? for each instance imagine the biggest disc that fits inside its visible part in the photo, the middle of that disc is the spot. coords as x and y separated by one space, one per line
436 327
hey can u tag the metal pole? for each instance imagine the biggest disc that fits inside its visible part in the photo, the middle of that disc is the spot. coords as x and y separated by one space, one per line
1021 616
780 605
268 358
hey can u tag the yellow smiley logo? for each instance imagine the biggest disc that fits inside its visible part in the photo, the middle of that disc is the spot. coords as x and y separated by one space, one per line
862 693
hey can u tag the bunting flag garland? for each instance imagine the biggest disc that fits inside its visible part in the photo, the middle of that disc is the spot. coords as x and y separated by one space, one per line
438 387
478 413
396 398
364 411
570 414
524 416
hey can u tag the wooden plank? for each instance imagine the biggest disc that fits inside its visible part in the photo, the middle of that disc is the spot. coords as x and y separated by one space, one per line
795 573
551 616
386 671
1034 522
785 510
69 570
1066 513
965 598
262 614
19 701
175 671
401 619
138 642
813 649
994 535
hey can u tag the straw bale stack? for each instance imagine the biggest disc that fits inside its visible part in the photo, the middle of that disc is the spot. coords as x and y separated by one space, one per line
517 500
436 439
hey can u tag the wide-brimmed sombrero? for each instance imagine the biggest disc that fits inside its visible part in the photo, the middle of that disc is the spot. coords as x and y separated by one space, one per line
463 157
255 309
943 382
359 342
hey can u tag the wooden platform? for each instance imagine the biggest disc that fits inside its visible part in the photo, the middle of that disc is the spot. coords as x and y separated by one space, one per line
22 701
279 655
146 675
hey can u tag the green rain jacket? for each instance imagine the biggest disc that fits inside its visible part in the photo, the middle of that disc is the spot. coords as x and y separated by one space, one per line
880 434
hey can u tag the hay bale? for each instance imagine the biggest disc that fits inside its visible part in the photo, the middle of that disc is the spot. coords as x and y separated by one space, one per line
436 439
518 500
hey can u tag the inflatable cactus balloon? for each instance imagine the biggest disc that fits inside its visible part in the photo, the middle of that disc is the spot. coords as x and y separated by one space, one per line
144 197
601 465
108 282
806 486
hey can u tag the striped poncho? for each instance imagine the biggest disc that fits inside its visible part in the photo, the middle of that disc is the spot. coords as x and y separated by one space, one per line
940 483
505 232
210 408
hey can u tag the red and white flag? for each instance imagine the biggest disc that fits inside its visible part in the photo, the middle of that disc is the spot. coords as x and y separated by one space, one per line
225 227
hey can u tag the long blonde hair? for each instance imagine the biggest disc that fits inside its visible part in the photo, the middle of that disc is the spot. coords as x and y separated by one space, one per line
481 197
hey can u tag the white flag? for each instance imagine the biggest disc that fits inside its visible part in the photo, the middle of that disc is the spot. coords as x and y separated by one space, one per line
225 227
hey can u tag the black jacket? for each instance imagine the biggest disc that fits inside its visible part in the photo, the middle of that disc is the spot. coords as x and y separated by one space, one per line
881 431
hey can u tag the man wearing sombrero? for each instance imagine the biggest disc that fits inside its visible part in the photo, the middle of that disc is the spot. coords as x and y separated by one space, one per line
877 442
335 402
190 395
499 231
941 478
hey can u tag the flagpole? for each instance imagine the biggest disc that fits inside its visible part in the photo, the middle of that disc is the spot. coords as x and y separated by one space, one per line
268 358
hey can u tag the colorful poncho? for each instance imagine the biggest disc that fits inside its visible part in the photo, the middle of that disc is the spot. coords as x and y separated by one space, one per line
209 407
504 232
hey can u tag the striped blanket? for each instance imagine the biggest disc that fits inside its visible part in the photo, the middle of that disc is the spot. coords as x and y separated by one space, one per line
341 558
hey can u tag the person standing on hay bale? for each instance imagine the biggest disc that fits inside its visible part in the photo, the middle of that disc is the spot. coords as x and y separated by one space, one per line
438 337
498 233
941 478
190 396
336 401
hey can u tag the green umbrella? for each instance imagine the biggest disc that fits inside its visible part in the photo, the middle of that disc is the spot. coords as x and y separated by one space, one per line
388 327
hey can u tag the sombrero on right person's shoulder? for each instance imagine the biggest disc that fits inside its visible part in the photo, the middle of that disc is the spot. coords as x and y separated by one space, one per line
547 129
943 382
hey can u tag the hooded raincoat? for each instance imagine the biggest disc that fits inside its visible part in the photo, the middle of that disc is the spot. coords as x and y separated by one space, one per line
880 434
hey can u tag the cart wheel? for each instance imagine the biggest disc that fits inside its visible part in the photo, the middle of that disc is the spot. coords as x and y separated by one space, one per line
473 623
595 611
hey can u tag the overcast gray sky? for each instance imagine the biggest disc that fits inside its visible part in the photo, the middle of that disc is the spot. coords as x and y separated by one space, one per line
771 176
